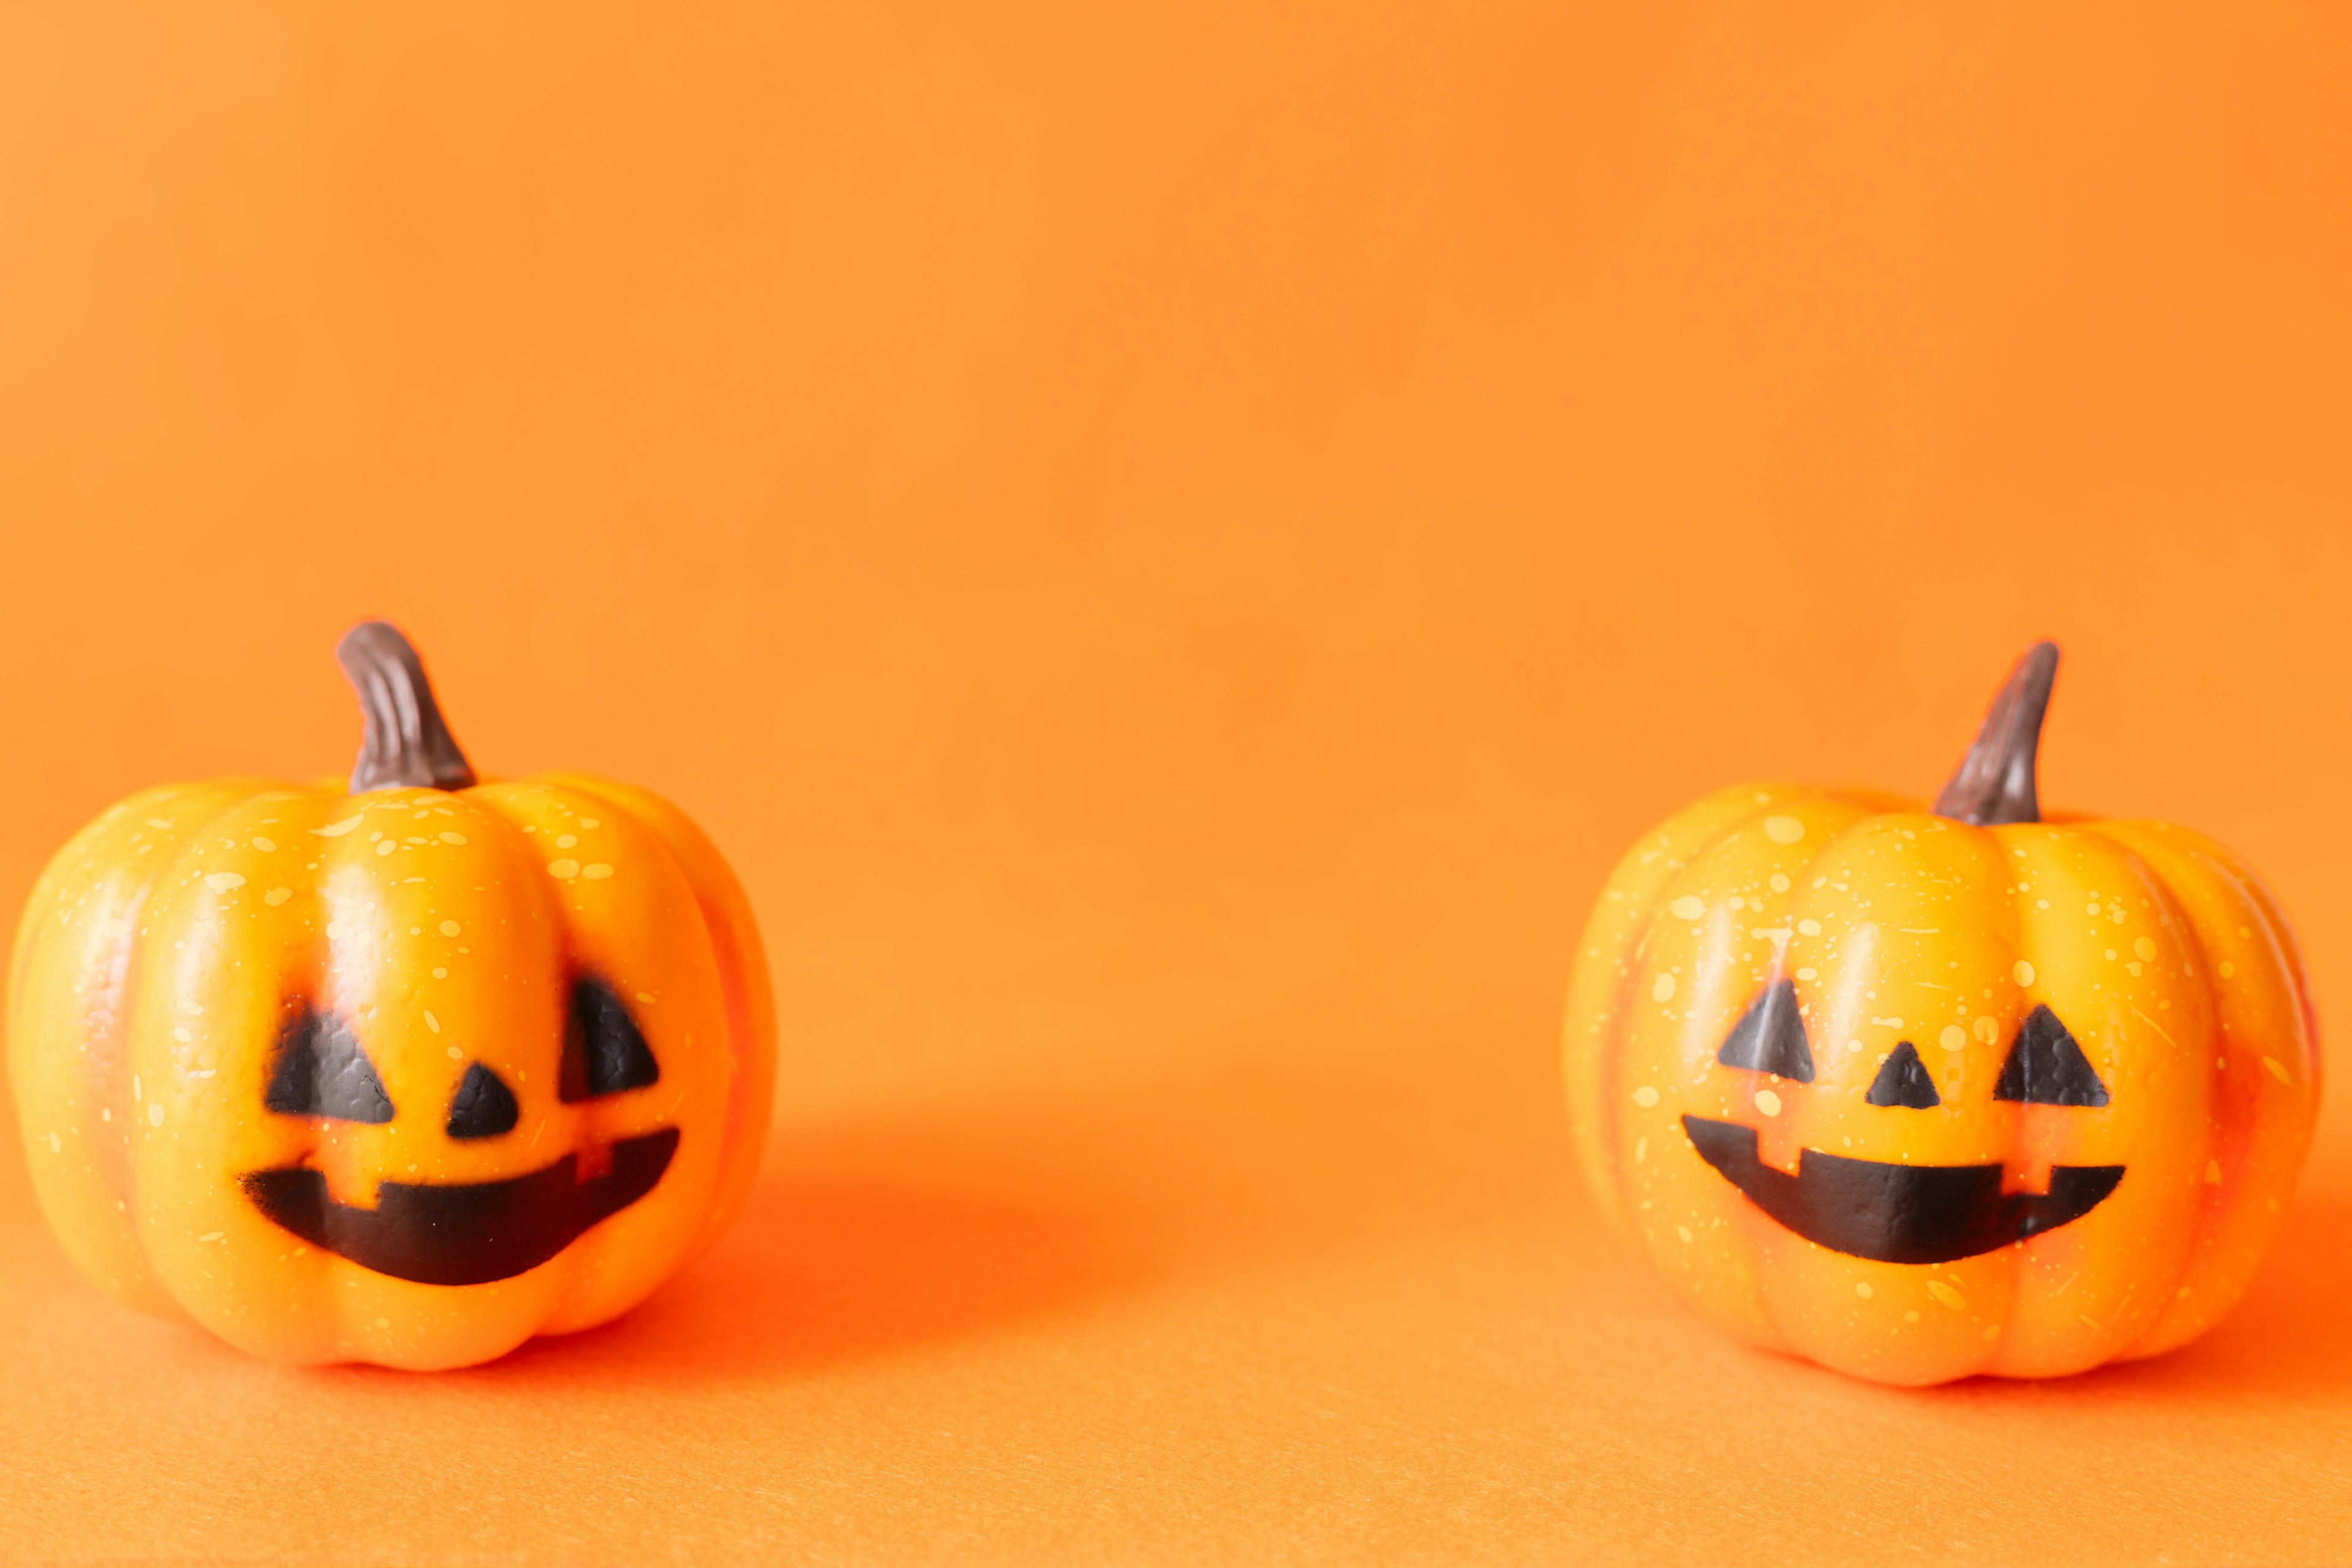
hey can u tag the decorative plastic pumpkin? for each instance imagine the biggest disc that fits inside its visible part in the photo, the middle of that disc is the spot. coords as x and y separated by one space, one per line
404 1075
1920 1094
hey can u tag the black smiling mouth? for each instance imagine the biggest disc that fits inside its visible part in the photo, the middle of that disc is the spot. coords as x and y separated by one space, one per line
464 1235
1897 1214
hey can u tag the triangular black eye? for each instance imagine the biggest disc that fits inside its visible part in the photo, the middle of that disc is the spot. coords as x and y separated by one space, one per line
1903 1080
602 1051
483 1107
1771 1038
2045 1066
321 1071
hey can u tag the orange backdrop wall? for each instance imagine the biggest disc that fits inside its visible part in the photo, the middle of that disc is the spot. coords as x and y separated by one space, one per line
1172 545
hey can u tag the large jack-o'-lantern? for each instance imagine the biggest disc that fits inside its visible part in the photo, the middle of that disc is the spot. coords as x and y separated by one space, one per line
405 1074
1923 1093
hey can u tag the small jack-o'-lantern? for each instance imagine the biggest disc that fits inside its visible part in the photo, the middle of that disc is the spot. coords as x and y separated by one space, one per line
1919 1094
405 1074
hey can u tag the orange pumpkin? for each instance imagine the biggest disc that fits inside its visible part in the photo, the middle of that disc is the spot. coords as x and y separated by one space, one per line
406 1074
1925 1093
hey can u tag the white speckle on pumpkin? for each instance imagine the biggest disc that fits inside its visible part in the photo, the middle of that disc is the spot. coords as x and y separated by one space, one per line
1662 989
1645 1097
1768 1102
2022 972
1809 974
266 845
453 839
1862 1288
1953 1038
224 882
2277 1068
431 1022
566 840
1947 1295
276 895
386 847
1783 829
337 829
154 1113
1689 907
598 872
563 870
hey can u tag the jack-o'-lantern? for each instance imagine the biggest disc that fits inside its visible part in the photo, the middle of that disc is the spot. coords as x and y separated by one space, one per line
405 1074
1925 1093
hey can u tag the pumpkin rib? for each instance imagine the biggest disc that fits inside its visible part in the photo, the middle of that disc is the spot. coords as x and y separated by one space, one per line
602 1278
1634 889
1689 872
104 1200
1640 901
734 930
2244 1207
2075 1328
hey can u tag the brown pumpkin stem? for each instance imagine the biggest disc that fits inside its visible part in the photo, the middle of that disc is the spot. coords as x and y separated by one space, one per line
1994 782
405 742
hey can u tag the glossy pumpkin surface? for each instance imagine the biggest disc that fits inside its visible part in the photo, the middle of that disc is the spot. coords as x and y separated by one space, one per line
1920 1097
402 1076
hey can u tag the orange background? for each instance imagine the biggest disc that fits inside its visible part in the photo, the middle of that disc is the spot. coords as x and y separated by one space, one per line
1174 543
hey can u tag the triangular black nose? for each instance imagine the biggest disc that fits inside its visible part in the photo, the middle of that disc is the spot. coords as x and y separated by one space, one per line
483 1106
1903 1080
1771 1038
2045 1066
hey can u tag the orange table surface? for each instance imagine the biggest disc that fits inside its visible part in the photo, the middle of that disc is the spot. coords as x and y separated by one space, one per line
1172 545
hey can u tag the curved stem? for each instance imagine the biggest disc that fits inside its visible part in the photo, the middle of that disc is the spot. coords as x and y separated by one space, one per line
405 742
1994 782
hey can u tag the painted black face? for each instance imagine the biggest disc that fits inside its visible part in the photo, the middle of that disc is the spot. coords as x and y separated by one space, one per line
1896 1212
462 1234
